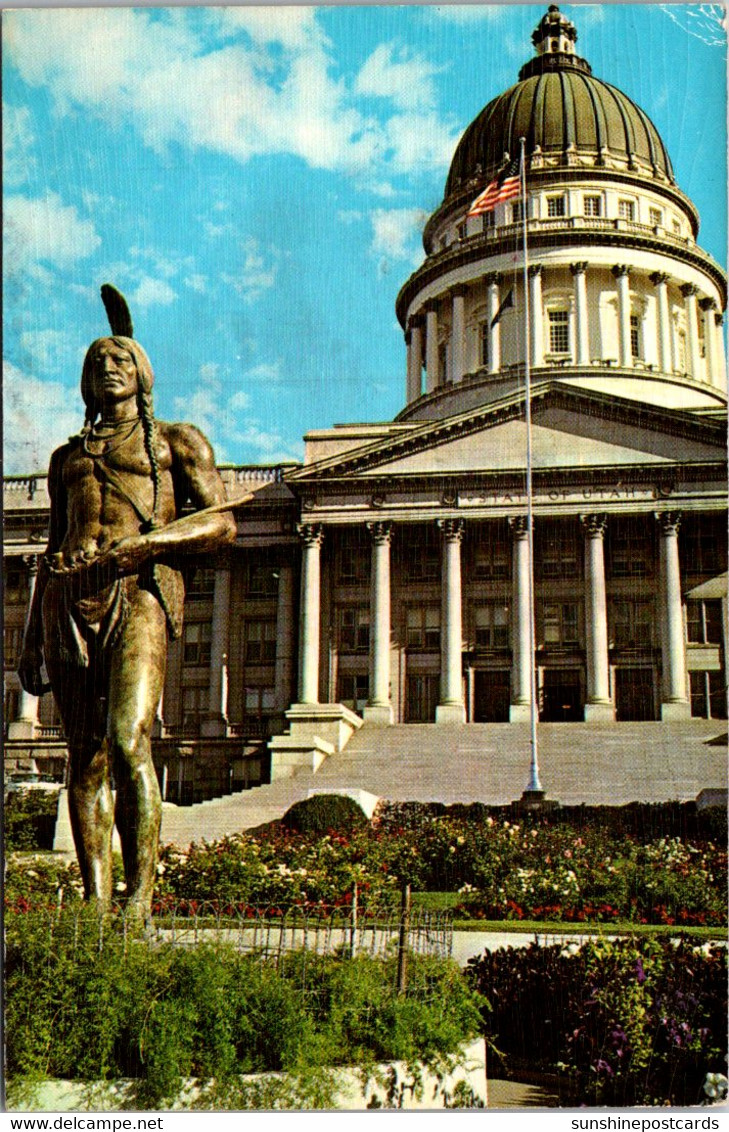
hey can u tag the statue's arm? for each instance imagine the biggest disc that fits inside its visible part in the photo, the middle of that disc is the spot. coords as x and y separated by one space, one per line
196 479
31 657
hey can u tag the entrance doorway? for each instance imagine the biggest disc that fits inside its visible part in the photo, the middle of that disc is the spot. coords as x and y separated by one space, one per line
491 695
561 696
634 699
422 698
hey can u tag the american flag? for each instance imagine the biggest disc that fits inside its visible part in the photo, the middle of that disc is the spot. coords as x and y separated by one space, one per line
505 186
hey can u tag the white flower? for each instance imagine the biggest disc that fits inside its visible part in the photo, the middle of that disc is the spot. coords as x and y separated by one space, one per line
716 1086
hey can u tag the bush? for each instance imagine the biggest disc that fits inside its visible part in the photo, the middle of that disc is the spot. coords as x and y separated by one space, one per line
625 1023
84 1008
30 819
324 813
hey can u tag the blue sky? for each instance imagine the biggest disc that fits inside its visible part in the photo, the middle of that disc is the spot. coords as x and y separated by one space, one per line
255 180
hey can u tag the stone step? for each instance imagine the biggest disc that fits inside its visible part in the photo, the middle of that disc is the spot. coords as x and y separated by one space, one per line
591 764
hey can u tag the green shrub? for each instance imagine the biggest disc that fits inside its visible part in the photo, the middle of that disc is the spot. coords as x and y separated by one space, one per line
95 1008
625 1022
324 813
30 819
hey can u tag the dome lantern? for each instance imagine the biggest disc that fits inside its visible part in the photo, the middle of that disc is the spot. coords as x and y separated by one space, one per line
554 33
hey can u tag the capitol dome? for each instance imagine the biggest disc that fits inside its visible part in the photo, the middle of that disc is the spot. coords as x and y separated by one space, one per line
620 298
565 115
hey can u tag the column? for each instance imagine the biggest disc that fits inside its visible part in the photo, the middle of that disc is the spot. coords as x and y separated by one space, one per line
493 279
622 276
414 339
583 341
536 315
521 646
432 353
720 352
675 703
24 726
311 535
659 279
379 707
215 721
284 636
598 705
458 333
708 307
451 708
689 292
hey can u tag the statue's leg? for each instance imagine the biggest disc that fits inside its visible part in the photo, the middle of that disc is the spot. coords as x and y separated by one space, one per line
138 664
80 694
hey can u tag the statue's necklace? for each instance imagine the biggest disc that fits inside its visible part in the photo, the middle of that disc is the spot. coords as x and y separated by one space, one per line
106 439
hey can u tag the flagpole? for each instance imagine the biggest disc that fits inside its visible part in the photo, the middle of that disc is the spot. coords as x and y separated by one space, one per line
534 785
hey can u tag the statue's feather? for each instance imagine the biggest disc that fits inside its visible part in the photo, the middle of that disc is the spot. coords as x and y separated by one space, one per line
117 311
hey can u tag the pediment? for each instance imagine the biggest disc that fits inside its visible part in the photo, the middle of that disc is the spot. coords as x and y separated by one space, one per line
570 428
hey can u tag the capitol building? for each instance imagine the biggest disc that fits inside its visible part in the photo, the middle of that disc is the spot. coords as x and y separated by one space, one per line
385 581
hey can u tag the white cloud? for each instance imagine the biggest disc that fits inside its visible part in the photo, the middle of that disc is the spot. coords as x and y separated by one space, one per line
393 72
396 231
152 292
257 271
197 283
466 13
18 141
45 230
37 417
271 86
50 350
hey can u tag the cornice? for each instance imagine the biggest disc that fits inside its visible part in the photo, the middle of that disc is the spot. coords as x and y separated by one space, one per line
485 248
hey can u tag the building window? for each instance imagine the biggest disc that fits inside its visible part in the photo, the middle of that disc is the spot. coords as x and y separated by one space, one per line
592 206
626 209
16 586
260 638
202 584
462 230
491 626
484 340
423 628
703 622
197 638
422 562
262 579
12 644
630 548
561 619
353 690
354 564
676 228
635 344
555 206
489 220
681 351
559 332
491 559
354 629
517 212
442 363
259 701
557 552
655 217
631 624
708 694
701 553
194 706
11 706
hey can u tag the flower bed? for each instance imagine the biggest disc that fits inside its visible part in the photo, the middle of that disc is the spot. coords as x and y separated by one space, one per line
622 1023
504 868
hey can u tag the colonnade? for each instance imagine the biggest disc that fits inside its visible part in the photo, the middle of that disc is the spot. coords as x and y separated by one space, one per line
451 706
422 332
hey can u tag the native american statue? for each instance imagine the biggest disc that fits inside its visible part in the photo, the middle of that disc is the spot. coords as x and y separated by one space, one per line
110 592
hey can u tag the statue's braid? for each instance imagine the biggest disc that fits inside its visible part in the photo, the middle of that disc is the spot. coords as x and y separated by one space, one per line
150 443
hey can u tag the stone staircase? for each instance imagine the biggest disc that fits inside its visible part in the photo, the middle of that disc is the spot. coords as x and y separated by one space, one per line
594 764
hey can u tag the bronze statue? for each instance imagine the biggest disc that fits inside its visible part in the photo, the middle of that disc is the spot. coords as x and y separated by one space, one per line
109 593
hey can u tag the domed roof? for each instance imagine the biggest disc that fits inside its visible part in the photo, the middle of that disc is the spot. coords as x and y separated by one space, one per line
564 113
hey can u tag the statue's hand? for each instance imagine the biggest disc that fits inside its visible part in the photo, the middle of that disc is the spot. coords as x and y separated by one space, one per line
126 555
29 670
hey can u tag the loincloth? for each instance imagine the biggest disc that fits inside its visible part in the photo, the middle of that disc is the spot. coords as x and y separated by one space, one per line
87 621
